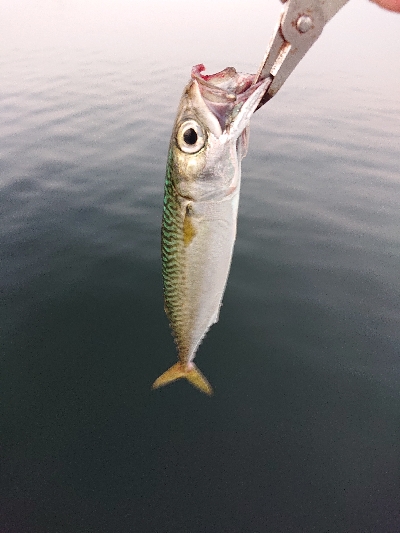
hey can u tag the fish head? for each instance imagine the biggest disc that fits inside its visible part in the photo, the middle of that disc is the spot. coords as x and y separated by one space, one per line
210 137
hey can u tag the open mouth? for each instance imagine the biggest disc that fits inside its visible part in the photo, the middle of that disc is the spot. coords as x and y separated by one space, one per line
225 92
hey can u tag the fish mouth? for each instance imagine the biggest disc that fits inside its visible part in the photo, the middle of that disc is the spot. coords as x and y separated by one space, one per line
225 92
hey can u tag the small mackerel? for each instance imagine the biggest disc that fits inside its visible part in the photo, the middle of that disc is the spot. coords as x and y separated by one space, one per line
202 185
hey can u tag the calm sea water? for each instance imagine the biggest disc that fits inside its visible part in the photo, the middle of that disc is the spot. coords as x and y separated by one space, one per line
303 431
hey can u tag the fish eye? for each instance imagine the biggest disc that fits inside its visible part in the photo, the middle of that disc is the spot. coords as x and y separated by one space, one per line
190 137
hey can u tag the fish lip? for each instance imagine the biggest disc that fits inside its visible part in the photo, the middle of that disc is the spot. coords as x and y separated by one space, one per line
216 87
224 92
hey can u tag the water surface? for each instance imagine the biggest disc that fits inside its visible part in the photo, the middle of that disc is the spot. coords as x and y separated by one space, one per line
302 433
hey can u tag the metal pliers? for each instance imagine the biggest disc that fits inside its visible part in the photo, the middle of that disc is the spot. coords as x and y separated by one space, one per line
300 24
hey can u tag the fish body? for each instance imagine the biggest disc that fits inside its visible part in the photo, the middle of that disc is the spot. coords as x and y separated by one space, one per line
201 199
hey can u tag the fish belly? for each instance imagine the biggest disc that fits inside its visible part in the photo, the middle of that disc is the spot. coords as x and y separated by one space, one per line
197 245
207 264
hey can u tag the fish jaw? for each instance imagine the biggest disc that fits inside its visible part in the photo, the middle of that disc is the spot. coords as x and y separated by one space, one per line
213 172
229 93
242 119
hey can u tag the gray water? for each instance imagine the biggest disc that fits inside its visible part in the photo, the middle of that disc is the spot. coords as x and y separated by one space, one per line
302 433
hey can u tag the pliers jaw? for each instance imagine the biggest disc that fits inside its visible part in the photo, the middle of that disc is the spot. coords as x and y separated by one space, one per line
300 24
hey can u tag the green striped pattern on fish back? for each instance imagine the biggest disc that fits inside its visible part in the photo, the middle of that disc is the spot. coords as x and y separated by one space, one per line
173 267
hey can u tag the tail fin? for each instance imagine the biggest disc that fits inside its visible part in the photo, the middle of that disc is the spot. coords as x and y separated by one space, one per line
180 370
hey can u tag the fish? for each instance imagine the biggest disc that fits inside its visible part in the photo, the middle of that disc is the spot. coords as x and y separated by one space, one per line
201 199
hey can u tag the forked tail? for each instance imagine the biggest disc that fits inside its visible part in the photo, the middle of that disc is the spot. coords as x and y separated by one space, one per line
181 370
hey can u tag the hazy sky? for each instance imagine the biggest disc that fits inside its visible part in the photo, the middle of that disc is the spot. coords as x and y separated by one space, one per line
361 27
362 37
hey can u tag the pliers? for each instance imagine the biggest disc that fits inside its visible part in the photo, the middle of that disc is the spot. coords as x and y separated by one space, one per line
300 24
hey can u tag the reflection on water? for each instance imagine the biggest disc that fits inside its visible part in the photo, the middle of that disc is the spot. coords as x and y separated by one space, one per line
302 433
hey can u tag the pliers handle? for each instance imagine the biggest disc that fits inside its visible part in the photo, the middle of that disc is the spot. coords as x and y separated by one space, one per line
300 24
